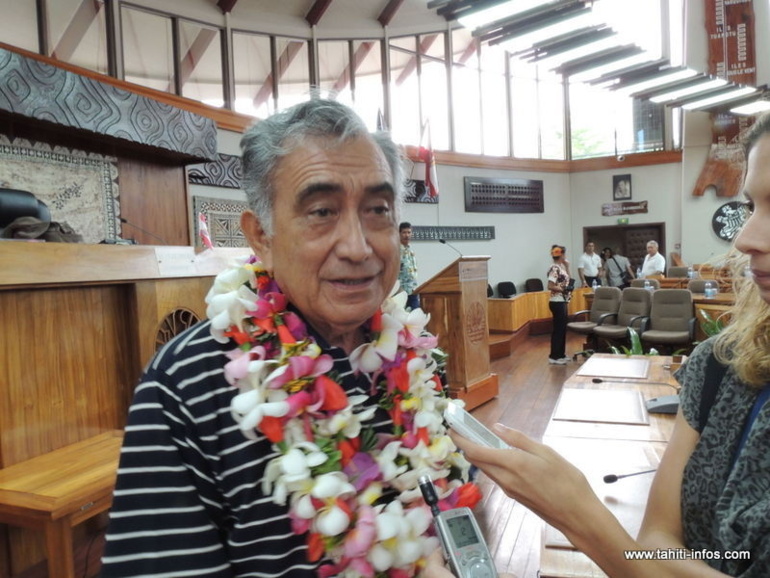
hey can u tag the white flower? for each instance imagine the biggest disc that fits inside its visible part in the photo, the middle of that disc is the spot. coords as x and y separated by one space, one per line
387 461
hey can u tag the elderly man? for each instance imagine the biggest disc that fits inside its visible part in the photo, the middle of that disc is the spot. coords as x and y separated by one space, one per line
285 435
654 262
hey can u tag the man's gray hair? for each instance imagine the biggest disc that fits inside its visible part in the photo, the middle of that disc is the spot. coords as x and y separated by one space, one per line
653 243
269 140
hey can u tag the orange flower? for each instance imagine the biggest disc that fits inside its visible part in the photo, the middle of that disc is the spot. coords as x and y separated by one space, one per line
239 336
348 448
272 427
377 321
285 335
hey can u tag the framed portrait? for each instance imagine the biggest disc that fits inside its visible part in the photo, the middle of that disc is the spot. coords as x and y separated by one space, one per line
621 187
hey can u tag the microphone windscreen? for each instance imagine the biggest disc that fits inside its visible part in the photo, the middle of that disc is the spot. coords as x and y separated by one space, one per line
610 479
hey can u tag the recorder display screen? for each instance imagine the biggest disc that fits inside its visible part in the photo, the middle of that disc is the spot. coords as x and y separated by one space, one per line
462 531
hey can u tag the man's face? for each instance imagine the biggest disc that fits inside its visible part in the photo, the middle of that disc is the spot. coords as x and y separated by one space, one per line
334 251
590 248
651 249
406 236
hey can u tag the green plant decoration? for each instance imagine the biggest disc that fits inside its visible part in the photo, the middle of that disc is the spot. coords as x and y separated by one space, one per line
636 346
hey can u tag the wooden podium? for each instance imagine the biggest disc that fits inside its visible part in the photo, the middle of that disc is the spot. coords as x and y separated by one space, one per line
456 299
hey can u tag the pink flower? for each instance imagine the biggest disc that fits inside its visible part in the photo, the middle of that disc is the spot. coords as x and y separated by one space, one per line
361 537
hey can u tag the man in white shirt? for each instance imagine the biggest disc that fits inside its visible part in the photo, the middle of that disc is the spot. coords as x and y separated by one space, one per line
589 266
654 262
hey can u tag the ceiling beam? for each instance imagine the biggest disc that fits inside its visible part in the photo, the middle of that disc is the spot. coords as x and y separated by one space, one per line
226 6
197 49
284 61
317 11
426 42
360 55
76 29
389 12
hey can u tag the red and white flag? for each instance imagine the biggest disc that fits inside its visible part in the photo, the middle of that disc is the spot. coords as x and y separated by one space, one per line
203 231
425 154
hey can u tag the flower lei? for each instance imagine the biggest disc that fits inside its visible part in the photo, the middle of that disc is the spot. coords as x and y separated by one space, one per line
338 477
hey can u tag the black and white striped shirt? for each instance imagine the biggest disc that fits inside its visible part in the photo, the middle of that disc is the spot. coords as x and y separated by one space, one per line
188 499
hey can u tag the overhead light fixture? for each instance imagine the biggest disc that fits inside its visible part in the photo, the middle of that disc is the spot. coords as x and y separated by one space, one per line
720 98
591 61
754 107
485 16
657 79
601 69
515 41
556 58
706 84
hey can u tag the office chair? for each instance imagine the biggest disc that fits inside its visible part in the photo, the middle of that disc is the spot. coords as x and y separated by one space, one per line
698 285
677 271
606 300
671 320
635 304
506 289
531 285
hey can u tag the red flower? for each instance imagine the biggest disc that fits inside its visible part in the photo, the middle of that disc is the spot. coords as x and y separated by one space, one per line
376 324
272 427
468 495
315 546
285 335
348 448
239 336
333 396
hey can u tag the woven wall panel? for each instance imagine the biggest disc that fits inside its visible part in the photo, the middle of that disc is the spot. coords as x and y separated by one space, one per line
40 91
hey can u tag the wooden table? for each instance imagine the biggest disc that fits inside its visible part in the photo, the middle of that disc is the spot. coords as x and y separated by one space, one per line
56 491
601 425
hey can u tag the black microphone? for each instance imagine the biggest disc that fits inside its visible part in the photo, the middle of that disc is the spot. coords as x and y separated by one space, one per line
145 231
444 242
612 478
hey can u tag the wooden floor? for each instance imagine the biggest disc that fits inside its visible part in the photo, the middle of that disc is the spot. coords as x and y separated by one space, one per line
529 388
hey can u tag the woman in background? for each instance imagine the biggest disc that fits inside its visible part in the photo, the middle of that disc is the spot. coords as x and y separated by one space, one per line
710 492
560 287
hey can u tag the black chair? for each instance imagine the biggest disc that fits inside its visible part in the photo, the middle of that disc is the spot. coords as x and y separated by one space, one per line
490 291
506 289
531 285
15 204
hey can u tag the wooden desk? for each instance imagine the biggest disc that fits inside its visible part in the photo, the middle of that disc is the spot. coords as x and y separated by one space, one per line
56 491
608 440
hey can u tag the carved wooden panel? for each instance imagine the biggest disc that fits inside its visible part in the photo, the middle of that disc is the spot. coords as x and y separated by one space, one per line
37 90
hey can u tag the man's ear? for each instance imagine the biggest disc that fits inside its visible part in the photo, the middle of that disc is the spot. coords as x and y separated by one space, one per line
258 240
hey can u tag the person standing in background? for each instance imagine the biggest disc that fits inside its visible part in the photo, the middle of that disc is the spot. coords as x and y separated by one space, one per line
615 265
654 262
560 289
407 275
590 266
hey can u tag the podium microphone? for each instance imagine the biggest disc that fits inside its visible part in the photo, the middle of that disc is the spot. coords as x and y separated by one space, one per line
444 242
612 478
145 231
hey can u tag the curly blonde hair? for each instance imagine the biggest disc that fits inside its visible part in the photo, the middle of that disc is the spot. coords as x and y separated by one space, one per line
745 342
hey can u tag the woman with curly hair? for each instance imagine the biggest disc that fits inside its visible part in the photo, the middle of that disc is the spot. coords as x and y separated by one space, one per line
711 492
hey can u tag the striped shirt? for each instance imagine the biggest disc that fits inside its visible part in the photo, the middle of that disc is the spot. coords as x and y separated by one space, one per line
188 499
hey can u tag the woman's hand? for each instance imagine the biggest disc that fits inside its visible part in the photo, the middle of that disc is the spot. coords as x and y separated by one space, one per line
535 475
436 568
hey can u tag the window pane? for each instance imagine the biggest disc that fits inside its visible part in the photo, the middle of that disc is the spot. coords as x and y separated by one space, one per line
293 72
494 106
253 78
18 26
200 69
595 114
368 98
551 116
150 64
466 93
404 91
334 69
433 89
77 33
